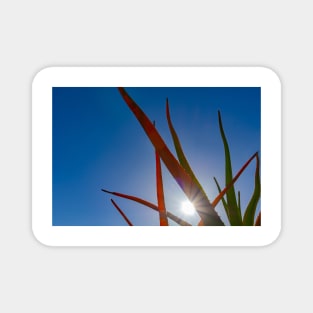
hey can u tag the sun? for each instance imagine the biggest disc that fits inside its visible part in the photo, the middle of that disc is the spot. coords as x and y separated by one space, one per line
188 208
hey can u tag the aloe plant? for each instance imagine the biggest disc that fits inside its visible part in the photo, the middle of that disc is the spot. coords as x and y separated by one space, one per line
188 182
231 204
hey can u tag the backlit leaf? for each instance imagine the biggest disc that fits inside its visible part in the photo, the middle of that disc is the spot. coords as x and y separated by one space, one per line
122 213
160 192
179 150
248 219
150 205
190 188
233 209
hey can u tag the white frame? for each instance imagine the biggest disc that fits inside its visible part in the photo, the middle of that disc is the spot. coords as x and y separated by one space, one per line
154 235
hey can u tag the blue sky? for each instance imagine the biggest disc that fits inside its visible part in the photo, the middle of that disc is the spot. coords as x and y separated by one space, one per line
98 143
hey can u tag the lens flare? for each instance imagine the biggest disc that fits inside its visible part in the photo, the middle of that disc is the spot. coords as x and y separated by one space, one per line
188 208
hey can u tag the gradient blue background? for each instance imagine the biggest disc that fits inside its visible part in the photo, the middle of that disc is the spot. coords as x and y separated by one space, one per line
98 143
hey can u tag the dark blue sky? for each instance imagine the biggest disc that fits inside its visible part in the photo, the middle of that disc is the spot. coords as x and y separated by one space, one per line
98 143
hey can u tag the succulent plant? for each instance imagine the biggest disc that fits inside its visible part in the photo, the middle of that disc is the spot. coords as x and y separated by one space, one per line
183 174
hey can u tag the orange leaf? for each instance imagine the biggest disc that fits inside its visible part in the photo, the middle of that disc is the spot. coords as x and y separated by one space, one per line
160 193
122 213
152 206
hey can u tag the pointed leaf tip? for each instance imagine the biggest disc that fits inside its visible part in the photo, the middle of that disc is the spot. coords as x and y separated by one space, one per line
122 213
248 218
233 209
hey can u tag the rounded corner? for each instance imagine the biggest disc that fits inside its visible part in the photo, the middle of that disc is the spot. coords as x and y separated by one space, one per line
41 74
274 238
270 73
38 238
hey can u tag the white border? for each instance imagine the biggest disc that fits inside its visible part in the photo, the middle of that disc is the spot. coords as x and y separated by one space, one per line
153 235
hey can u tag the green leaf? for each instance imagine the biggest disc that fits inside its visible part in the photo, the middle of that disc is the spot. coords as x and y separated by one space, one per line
233 209
239 202
222 198
224 191
248 219
179 150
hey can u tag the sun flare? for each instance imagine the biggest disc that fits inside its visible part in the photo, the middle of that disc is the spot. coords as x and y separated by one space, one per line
188 208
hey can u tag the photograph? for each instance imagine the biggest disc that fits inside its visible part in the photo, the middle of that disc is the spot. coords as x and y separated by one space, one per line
156 156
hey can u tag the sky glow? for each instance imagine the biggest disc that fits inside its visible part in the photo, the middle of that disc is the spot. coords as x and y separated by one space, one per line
98 143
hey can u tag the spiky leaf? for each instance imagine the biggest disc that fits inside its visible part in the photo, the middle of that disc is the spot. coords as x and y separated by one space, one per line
248 219
179 150
234 211
122 213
